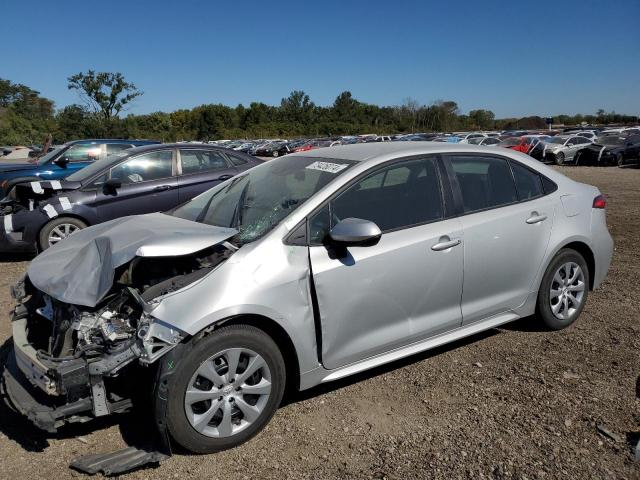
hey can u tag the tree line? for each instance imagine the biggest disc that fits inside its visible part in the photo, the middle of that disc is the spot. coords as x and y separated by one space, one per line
26 117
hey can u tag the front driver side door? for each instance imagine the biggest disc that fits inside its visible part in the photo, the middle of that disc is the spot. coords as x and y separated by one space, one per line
149 185
406 287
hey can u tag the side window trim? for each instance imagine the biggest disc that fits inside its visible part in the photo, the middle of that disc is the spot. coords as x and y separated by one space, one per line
328 202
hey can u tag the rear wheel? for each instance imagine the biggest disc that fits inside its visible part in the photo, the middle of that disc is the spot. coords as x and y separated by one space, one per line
58 229
226 389
564 290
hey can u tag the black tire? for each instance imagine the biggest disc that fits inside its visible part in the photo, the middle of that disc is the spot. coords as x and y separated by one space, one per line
276 153
620 160
233 336
560 158
576 158
543 306
43 238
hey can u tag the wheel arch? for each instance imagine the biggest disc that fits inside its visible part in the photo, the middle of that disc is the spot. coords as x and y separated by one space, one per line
277 333
585 250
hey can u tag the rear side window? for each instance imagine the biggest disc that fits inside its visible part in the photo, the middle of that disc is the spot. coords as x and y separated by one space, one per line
485 182
199 161
237 160
528 183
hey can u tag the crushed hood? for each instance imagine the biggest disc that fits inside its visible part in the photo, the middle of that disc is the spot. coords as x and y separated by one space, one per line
80 270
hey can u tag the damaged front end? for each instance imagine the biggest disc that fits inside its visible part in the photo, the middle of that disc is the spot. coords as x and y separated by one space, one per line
72 362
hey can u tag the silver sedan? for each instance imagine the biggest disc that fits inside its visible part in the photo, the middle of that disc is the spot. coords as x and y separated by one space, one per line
304 270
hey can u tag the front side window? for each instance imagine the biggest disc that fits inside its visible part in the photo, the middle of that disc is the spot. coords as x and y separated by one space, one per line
83 153
399 196
485 182
199 161
145 167
256 201
117 147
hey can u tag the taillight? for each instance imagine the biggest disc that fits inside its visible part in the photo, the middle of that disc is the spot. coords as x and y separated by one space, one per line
600 202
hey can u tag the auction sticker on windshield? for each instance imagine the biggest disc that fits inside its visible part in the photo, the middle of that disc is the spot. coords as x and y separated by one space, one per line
327 167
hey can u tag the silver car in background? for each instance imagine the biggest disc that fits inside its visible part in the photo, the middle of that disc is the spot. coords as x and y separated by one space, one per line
303 270
563 148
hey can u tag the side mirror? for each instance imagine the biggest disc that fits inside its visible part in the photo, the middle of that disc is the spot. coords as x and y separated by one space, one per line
355 232
112 185
62 162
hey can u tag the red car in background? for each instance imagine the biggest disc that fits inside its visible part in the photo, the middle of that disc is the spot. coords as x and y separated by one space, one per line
524 143
313 144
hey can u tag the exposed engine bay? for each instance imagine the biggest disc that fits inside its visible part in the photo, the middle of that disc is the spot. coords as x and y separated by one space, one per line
90 361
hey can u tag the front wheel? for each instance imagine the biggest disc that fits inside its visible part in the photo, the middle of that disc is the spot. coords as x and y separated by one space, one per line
226 389
560 158
564 290
58 229
620 160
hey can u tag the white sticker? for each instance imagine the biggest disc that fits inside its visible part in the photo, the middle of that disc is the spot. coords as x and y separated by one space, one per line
49 210
65 203
327 167
55 184
8 223
36 187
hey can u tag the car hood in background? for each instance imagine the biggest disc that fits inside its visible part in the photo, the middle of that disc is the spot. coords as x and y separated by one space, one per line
14 167
80 270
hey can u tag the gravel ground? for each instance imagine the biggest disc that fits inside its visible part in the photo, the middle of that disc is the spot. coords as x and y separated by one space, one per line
514 402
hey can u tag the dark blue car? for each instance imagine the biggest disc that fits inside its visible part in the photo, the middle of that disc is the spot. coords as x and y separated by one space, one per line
63 161
152 178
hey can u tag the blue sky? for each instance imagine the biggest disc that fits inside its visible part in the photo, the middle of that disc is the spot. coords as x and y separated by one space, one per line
515 58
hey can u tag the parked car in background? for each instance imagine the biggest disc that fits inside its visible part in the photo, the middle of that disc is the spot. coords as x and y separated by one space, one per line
523 143
273 149
63 161
417 137
486 141
314 144
145 179
15 154
562 149
611 150
464 138
342 260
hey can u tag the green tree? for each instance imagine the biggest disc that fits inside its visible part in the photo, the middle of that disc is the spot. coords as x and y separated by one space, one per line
106 93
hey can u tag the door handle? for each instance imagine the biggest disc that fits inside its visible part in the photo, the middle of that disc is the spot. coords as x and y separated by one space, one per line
535 218
162 188
438 247
226 176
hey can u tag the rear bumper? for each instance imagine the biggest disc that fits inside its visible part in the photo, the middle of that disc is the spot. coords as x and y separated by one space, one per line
602 246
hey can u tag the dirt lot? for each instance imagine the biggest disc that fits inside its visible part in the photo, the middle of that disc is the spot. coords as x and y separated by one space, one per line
516 402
